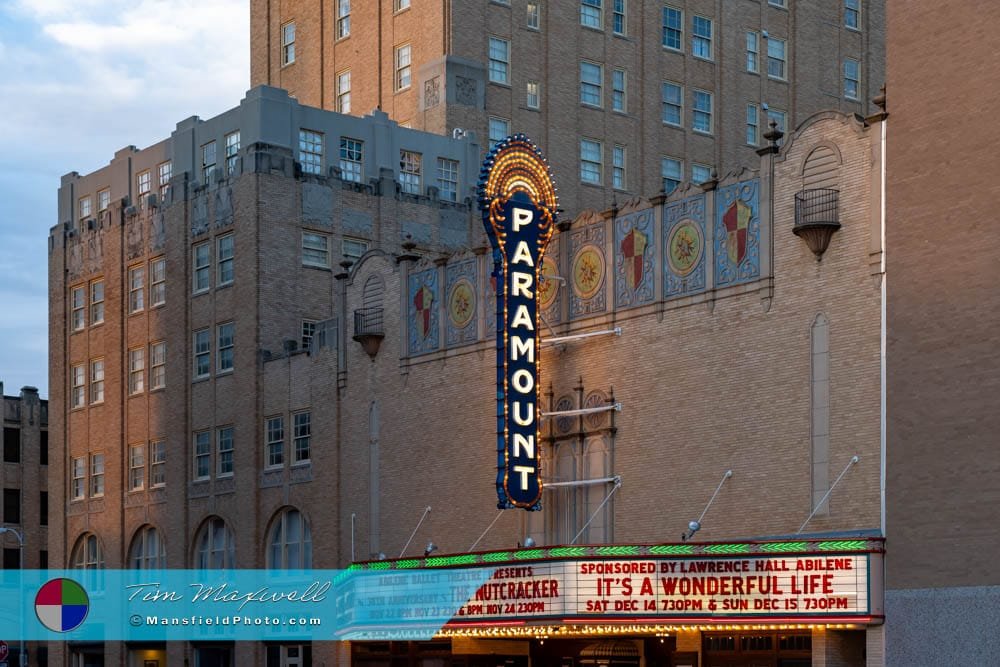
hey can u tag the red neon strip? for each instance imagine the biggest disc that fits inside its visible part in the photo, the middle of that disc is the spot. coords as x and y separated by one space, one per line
472 624
725 620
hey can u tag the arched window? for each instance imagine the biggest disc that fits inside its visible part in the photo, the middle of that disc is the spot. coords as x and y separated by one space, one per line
87 554
147 551
290 541
372 295
215 548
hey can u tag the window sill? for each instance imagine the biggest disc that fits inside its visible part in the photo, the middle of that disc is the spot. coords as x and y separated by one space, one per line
501 84
592 185
95 324
589 105
288 64
223 373
274 468
134 394
672 49
777 78
703 59
316 266
157 306
200 378
201 480
855 30
342 38
201 291
703 133
592 28
676 126
402 90
224 285
95 404
136 491
402 10
301 464
140 311
157 390
224 475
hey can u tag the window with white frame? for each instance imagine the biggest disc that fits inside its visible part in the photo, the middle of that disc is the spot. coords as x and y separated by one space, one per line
351 159
87 554
618 167
136 288
232 152
852 14
157 463
618 17
311 151
534 19
202 455
103 200
532 95
136 370
143 182
499 65
77 479
401 5
776 58
344 91
672 172
619 82
776 3
290 546
201 256
447 179
308 331
157 281
410 172
274 439
673 104
78 381
136 467
353 249
590 161
301 436
96 302
343 18
224 351
202 353
96 475
753 51
96 381
591 75
224 451
147 551
753 124
673 28
403 62
207 161
499 129
315 249
591 14
158 365
288 43
700 173
85 206
701 116
166 172
852 78
701 37
79 306
224 253
216 549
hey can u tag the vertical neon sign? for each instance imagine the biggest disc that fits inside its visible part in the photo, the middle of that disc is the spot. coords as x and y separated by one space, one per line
518 202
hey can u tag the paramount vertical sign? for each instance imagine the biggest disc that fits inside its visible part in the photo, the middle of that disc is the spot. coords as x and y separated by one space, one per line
518 202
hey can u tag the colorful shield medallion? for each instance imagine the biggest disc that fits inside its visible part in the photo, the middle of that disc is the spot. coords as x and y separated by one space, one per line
685 247
588 271
737 219
633 248
423 301
461 303
548 286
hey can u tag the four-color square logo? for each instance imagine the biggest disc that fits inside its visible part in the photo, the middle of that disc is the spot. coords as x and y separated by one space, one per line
61 605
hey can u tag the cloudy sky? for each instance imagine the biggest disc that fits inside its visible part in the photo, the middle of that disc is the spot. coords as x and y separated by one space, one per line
80 79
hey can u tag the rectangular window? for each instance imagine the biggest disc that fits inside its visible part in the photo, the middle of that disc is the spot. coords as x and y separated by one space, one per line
590 161
619 81
136 467
224 451
224 352
618 17
403 61
302 434
143 182
78 379
11 445
852 14
447 179
409 172
311 151
532 96
157 281
499 129
701 37
402 4
753 51
353 249
671 170
752 124
308 332
275 441
673 103
136 288
200 258
288 43
618 167
232 152
12 505
701 119
103 200
77 296
776 3
166 170
224 260
673 28
343 18
157 463
591 14
344 91
499 60
351 159
775 58
85 207
202 455
136 370
97 381
202 353
591 76
157 365
77 479
700 173
315 249
534 20
852 78
96 302
96 475
207 161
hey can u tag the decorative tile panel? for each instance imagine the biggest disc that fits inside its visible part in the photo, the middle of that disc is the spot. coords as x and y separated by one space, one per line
634 259
684 245
737 233
461 290
588 271
422 311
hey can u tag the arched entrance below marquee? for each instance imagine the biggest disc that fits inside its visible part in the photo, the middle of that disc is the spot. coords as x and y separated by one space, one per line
756 649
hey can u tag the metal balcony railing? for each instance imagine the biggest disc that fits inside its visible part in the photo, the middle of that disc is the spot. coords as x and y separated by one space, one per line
817 206
368 322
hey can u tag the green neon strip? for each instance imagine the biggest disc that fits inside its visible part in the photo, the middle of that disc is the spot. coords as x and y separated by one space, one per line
671 549
727 549
529 554
843 545
564 552
617 551
381 565
784 547
407 564
464 559
497 557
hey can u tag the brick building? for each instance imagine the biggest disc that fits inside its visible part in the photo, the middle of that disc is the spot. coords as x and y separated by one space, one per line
628 96
227 392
